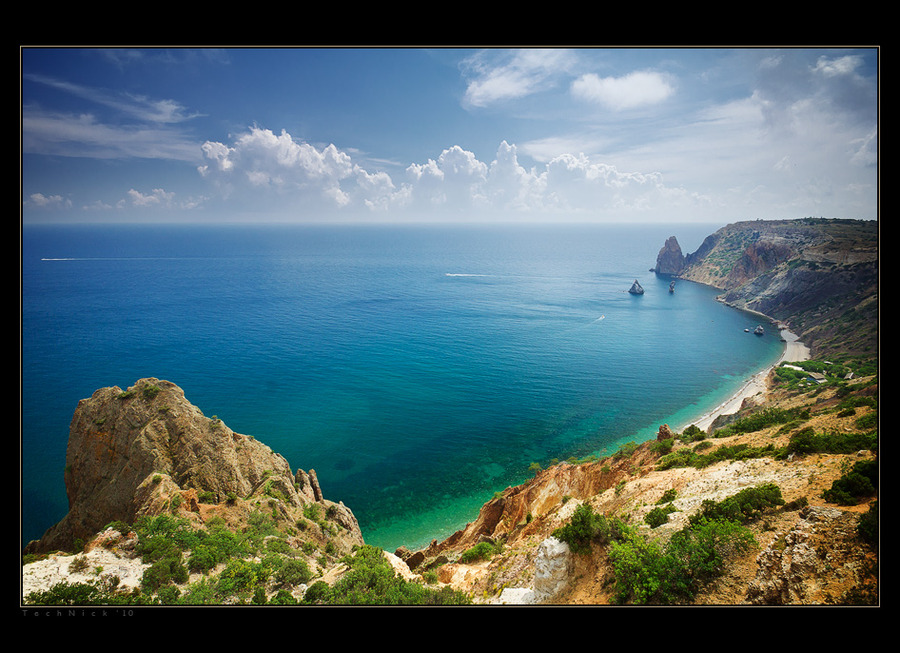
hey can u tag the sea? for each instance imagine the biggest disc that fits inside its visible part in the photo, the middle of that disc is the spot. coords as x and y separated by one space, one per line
418 369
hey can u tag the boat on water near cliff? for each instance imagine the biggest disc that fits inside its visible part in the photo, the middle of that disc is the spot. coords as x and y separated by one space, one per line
636 288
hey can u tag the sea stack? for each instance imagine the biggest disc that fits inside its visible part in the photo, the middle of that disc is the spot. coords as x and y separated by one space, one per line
636 288
670 260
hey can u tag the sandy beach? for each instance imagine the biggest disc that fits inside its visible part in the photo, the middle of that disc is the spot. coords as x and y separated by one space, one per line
794 350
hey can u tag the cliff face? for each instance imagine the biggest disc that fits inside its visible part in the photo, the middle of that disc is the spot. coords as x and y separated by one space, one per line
818 276
142 451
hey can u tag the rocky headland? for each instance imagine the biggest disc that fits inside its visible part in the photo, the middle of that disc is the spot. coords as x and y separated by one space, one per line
144 463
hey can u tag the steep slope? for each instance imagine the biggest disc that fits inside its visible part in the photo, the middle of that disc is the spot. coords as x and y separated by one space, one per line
807 552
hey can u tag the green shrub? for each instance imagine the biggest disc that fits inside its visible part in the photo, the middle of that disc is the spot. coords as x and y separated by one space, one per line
293 572
586 528
763 419
667 497
202 559
659 515
283 597
371 580
662 447
91 593
241 578
162 572
868 525
854 486
150 391
481 551
702 549
743 507
625 450
649 573
687 457
867 422
807 441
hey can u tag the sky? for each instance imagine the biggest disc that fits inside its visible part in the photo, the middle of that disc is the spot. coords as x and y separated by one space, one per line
441 134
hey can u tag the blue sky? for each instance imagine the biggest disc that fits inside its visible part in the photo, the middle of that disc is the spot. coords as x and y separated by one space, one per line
399 134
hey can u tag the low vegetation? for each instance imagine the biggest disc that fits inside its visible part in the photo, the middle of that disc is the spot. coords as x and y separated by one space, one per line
256 566
648 572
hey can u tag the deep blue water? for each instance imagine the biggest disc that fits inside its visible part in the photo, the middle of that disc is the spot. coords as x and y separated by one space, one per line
417 369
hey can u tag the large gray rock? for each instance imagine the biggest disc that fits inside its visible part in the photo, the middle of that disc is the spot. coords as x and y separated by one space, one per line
670 260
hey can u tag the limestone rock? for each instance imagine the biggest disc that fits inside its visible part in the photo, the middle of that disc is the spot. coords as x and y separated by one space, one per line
552 569
799 566
147 449
552 572
670 260
664 433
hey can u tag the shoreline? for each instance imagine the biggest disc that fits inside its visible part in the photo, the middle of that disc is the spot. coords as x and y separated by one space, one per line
794 350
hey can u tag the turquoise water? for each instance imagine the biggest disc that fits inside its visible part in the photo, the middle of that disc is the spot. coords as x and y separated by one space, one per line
417 369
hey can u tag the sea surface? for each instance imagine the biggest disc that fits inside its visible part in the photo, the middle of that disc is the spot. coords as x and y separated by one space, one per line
417 369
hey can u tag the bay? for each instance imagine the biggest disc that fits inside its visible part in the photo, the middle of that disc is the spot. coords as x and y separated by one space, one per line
418 369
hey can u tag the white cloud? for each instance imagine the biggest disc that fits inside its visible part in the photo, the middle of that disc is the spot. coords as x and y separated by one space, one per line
82 135
520 73
261 165
158 197
41 201
631 91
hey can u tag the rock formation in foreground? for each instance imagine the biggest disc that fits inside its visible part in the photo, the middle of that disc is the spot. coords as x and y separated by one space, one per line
147 450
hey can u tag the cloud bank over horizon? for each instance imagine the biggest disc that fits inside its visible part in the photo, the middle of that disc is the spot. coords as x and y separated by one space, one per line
531 135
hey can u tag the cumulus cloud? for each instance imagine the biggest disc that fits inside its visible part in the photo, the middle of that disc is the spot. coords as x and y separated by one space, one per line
41 201
637 89
456 181
158 197
278 164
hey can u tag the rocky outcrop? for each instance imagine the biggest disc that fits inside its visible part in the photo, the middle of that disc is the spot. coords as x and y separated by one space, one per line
670 260
553 566
800 566
636 288
147 449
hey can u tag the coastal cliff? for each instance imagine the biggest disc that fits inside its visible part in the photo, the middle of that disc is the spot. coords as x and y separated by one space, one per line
147 451
144 464
818 276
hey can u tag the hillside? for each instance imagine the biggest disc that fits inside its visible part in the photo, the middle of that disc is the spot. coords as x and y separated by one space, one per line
168 506
630 484
819 276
